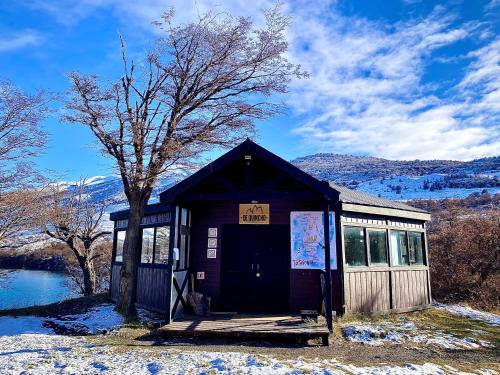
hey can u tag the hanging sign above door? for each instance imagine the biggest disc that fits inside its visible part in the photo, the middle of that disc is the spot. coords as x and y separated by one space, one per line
254 213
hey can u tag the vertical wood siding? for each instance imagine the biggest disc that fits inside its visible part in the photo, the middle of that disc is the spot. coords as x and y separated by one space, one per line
410 288
370 291
367 291
152 290
115 281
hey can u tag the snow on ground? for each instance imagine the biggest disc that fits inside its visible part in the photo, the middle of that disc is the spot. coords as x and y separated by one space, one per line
27 346
405 332
51 354
465 311
99 319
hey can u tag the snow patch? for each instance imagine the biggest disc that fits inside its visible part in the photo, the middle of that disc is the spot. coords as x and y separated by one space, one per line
43 354
467 312
100 319
406 332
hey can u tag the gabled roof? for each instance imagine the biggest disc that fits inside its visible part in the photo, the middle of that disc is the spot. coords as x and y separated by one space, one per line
365 199
351 199
249 147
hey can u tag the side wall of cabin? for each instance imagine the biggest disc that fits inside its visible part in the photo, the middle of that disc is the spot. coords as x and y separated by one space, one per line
385 285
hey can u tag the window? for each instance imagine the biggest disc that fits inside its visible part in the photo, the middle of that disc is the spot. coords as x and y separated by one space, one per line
378 247
415 248
148 235
120 239
355 247
183 239
162 244
399 248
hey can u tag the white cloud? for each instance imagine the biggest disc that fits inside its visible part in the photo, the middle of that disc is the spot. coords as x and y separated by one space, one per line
20 39
367 92
367 95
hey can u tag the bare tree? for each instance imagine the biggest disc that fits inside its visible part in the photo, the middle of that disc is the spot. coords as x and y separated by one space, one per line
19 215
201 86
77 221
21 138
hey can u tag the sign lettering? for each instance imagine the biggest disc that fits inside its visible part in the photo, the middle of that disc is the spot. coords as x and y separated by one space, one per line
254 213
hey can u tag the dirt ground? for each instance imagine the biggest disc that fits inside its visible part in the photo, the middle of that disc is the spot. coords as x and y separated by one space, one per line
134 337
340 348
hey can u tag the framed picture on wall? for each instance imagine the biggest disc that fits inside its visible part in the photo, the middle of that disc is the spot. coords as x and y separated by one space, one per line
212 243
212 232
211 253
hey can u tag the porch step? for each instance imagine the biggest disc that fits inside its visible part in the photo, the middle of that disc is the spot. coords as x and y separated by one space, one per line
247 327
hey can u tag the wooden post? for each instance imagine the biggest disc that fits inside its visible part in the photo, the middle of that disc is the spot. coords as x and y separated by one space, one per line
328 271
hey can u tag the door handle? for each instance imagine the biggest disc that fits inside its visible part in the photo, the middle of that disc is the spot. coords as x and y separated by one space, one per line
252 266
258 266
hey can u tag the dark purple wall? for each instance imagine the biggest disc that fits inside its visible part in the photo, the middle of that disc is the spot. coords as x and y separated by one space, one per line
304 284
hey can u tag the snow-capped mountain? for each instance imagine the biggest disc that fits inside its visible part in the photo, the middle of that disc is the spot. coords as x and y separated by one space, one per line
392 179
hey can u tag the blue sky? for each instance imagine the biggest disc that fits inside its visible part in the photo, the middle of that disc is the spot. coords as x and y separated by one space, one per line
400 79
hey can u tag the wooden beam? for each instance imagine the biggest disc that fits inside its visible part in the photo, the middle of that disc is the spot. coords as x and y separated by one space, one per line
248 196
179 291
328 270
228 185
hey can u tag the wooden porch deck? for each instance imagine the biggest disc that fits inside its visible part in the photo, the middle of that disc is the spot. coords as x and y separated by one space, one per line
247 327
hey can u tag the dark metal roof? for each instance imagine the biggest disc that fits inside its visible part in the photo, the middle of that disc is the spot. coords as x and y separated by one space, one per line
358 197
151 209
330 191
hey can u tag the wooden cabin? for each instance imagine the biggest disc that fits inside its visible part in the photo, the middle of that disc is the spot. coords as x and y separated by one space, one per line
249 229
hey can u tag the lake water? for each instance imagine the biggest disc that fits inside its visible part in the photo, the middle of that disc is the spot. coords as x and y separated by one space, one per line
24 288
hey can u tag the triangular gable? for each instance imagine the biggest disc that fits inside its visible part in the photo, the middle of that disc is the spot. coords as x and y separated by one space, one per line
248 146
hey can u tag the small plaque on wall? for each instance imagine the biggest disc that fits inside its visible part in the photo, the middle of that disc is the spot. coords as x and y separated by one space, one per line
254 213
212 253
200 275
212 242
212 232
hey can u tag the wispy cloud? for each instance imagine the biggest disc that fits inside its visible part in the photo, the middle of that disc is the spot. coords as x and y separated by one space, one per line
20 39
367 95
368 92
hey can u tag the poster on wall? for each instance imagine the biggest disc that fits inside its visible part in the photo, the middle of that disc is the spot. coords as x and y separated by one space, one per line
307 240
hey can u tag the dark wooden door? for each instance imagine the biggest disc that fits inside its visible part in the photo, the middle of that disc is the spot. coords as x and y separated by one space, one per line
255 268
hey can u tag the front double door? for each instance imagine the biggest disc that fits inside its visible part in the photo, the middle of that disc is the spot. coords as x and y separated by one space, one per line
255 272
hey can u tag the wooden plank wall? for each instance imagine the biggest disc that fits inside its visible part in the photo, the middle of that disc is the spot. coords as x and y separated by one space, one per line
152 287
305 292
115 281
370 291
367 291
410 288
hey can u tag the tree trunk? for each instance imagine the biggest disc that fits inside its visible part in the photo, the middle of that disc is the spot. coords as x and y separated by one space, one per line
128 273
89 278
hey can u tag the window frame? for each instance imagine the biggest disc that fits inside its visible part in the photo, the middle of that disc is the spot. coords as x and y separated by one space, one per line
154 263
115 245
154 245
424 250
407 264
386 247
367 261
388 229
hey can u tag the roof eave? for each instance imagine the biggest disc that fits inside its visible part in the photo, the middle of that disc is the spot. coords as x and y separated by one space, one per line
385 211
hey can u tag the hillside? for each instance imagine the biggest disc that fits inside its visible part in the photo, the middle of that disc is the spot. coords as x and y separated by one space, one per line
392 179
406 180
